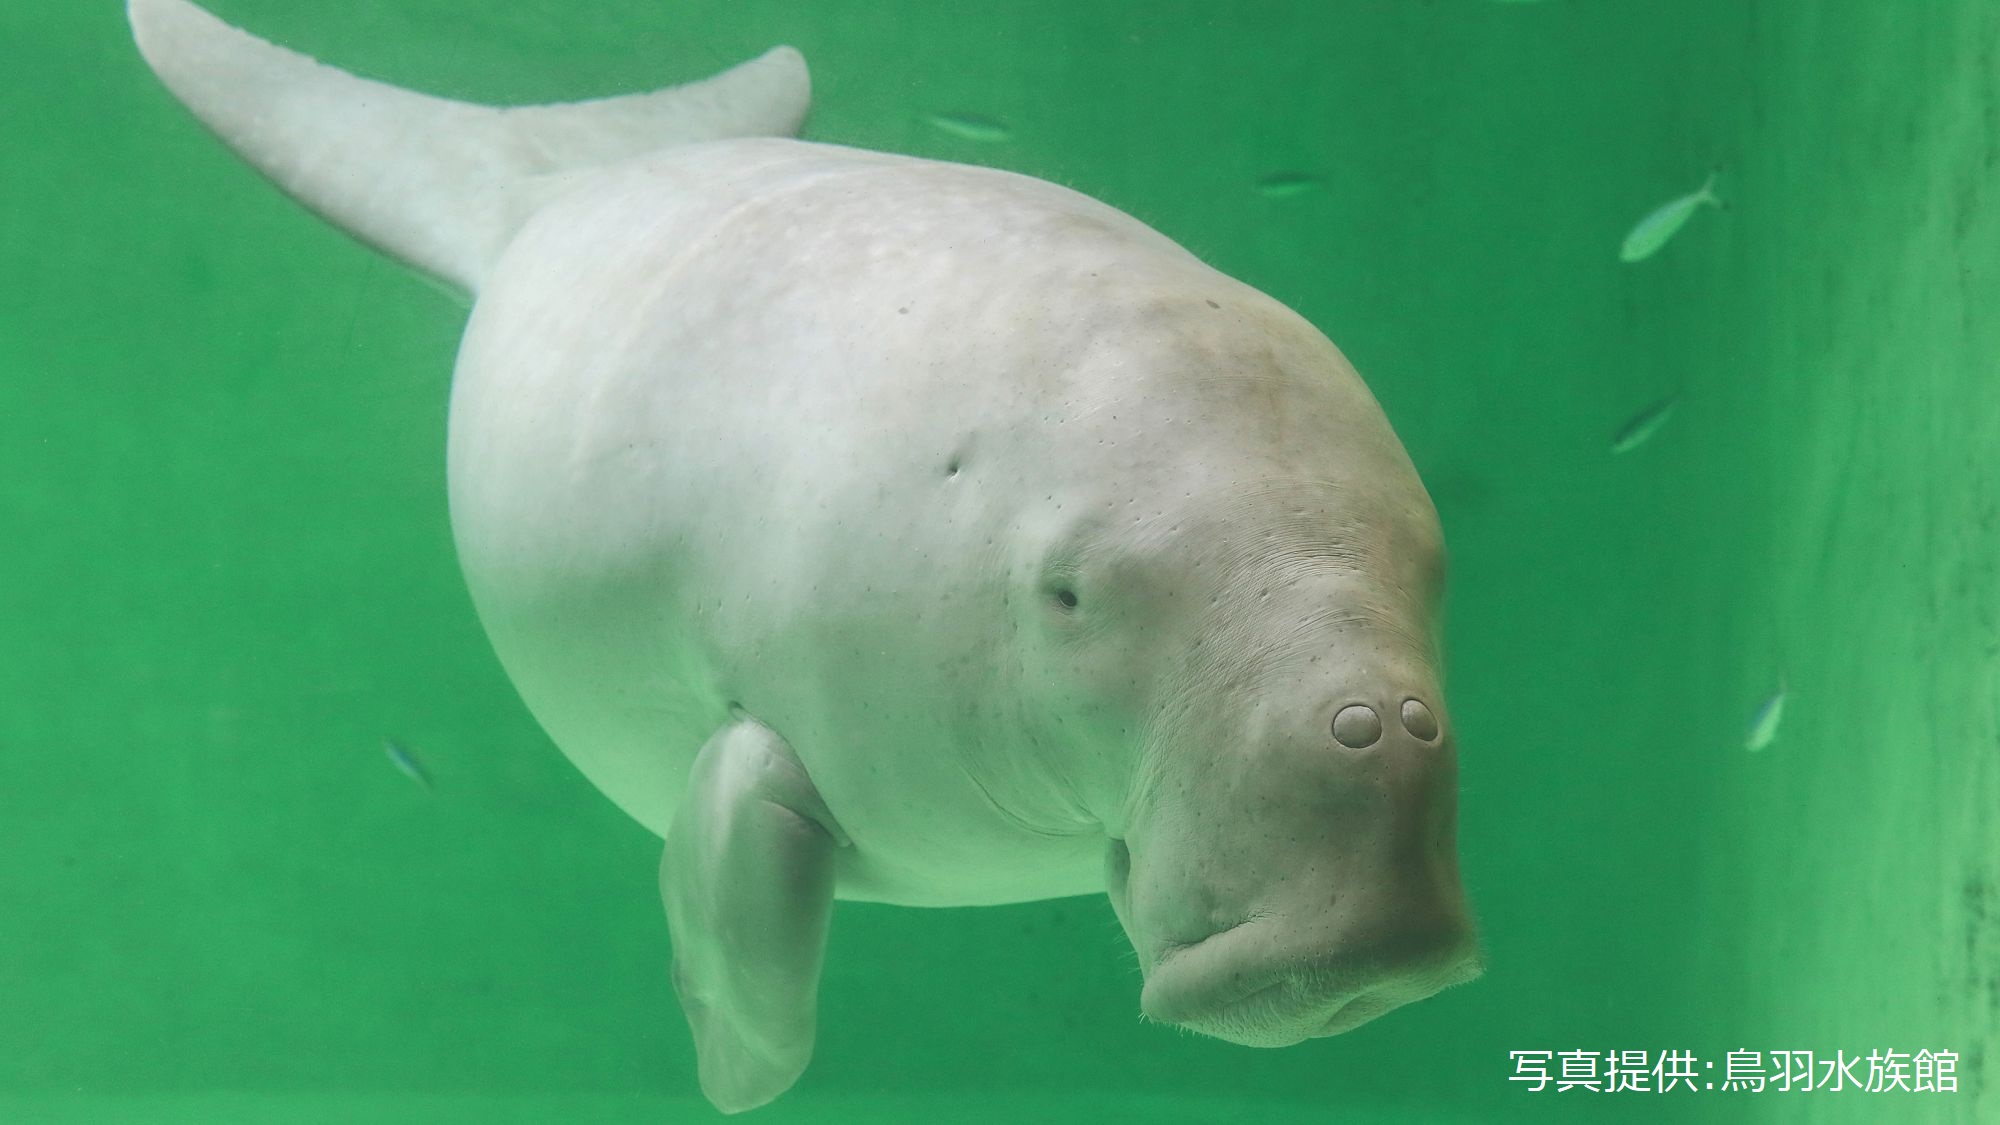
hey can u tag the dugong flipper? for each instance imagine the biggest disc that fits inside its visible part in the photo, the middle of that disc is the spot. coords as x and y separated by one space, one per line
747 878
890 530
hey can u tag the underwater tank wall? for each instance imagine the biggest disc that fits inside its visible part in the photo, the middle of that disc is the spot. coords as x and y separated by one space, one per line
280 843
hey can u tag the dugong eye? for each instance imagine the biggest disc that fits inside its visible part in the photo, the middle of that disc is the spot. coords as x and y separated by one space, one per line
1066 598
1357 726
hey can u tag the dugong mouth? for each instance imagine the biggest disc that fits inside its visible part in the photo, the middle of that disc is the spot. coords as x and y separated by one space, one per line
1230 986
1212 987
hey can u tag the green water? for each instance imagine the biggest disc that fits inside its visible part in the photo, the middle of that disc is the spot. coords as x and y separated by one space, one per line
226 574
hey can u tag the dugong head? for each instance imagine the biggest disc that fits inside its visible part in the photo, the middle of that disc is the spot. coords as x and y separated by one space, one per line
1237 607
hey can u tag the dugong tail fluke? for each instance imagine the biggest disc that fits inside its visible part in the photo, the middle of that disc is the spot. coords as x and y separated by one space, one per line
441 185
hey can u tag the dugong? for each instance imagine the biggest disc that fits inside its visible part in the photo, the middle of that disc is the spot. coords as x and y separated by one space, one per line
892 530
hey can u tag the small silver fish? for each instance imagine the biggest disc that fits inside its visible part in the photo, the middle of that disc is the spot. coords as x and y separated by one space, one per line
971 127
1764 724
405 761
1284 185
1644 425
1667 219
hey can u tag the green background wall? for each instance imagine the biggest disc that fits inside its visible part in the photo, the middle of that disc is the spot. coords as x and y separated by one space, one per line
226 573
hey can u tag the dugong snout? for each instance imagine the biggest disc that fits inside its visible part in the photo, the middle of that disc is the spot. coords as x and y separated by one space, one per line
1344 904
1300 995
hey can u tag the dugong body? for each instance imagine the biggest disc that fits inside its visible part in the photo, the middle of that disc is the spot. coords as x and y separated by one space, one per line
887 529
815 472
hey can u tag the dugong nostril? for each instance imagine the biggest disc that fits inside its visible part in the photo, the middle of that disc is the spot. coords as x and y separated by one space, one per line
1357 726
1418 720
